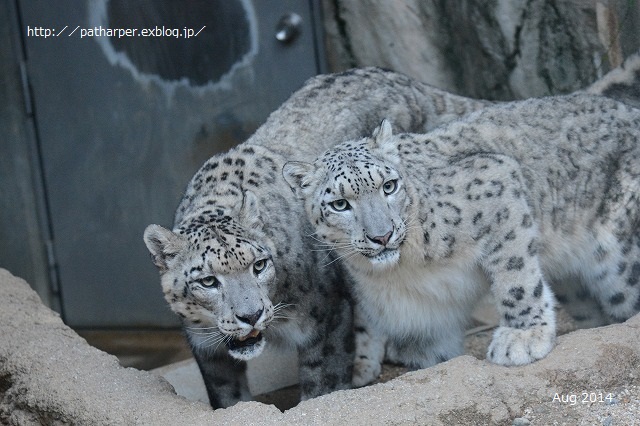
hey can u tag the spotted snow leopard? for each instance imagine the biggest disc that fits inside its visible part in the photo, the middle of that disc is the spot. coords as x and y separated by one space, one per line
509 198
236 197
238 267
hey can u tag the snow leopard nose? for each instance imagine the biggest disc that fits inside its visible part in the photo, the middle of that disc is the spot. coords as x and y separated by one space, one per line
382 240
250 319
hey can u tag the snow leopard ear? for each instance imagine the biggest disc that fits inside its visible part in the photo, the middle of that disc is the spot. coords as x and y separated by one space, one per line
249 211
163 245
382 139
298 175
383 132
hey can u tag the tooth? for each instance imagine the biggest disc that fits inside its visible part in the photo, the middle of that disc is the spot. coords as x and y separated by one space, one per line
254 333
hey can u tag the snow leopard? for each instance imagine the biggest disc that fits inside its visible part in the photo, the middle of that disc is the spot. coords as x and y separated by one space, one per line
507 200
238 266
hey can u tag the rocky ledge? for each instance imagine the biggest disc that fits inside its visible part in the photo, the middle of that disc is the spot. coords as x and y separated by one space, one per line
50 375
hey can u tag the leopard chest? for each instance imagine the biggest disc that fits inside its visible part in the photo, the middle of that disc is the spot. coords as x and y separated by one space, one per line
412 299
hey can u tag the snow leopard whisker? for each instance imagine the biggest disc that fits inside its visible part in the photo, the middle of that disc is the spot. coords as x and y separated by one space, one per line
314 238
321 240
334 247
412 216
412 223
343 256
277 318
278 311
329 243
205 331
411 220
282 305
216 340
412 227
279 307
225 341
213 339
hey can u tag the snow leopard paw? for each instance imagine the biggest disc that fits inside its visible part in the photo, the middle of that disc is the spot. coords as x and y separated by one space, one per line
512 346
365 371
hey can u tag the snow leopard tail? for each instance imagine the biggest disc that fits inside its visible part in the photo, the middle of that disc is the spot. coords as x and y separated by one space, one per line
622 83
436 106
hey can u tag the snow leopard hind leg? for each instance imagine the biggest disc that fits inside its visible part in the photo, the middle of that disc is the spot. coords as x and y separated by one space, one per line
612 273
626 302
613 276
596 278
576 299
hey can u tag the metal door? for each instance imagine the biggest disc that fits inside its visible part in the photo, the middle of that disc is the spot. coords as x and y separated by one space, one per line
130 98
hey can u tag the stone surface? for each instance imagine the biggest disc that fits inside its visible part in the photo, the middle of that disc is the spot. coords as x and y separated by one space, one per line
49 375
490 49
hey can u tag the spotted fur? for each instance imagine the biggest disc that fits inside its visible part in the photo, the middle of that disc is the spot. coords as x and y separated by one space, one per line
241 266
507 199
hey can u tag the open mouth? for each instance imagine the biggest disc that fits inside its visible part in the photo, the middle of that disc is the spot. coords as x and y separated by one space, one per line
246 342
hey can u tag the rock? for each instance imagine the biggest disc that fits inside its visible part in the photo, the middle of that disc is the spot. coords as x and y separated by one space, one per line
490 49
50 375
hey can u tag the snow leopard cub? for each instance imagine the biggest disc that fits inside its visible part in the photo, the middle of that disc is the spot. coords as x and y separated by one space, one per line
509 199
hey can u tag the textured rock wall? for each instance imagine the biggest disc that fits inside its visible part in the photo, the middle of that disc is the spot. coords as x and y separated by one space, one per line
493 49
49 375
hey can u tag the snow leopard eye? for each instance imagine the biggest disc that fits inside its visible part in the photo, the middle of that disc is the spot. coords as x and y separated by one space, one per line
340 205
390 186
259 266
209 282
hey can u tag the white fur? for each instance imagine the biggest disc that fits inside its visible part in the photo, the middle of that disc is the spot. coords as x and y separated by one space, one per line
419 298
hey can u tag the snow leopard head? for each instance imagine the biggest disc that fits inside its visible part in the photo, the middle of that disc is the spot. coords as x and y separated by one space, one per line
355 197
217 279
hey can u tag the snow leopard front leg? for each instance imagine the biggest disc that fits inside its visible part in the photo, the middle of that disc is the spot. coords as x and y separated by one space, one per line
326 358
526 306
370 349
224 377
505 228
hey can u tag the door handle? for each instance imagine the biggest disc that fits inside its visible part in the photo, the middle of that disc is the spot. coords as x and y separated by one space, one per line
288 28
